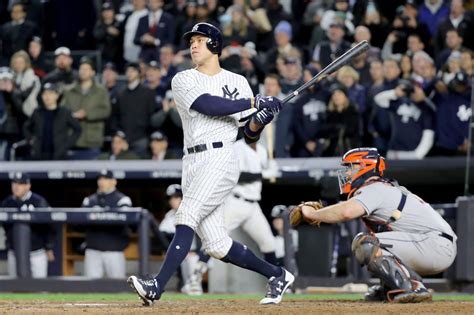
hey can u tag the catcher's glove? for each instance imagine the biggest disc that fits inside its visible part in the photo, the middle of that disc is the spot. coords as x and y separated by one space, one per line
296 214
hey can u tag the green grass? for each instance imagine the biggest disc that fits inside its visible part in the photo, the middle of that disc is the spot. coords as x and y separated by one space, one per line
128 297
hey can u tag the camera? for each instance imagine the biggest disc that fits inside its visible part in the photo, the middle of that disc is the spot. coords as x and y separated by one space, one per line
407 86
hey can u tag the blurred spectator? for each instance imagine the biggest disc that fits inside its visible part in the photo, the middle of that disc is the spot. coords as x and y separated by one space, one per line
153 82
119 149
339 13
450 68
154 30
453 114
275 13
368 13
328 50
185 22
405 24
432 12
424 71
105 243
108 33
467 64
167 119
292 76
458 19
283 137
16 34
40 65
412 121
159 147
168 69
51 131
278 224
239 30
42 235
257 15
362 62
131 51
90 104
349 78
27 84
251 67
414 45
114 87
12 117
202 14
283 34
63 75
340 128
453 43
308 112
406 67
379 124
135 107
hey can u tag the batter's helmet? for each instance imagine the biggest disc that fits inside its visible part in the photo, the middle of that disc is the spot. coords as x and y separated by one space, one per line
214 42
369 162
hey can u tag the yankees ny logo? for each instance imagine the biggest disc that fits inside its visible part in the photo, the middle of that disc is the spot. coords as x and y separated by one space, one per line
228 94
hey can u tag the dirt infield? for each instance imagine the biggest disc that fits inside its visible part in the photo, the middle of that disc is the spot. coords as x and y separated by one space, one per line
289 306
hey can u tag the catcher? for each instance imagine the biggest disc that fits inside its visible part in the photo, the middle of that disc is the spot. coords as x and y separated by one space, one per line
407 238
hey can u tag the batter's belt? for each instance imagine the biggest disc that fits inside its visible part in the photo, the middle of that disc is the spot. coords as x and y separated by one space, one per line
203 147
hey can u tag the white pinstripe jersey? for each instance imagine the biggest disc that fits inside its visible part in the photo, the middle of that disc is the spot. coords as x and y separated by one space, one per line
199 128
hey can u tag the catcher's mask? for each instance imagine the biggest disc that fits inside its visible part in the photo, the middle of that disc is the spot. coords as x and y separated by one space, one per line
359 164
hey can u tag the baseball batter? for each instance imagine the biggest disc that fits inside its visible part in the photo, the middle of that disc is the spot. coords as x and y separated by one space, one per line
211 102
407 238
241 209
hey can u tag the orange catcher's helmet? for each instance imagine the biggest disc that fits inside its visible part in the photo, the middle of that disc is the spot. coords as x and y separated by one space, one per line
359 164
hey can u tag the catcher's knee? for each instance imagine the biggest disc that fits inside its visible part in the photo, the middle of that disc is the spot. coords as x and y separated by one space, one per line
365 247
219 248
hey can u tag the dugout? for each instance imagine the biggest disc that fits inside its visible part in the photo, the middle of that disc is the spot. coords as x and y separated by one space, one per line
436 180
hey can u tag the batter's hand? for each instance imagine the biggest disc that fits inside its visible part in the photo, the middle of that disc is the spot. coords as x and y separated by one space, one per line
268 102
263 117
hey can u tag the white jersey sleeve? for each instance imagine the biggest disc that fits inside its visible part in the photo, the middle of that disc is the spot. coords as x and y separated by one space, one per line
186 91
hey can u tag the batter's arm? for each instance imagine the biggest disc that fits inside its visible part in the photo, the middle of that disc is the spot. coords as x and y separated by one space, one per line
219 106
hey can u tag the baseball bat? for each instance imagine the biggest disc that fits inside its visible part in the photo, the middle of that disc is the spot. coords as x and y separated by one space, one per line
270 146
335 65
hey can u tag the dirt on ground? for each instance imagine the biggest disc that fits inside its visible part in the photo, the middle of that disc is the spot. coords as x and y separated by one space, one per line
288 306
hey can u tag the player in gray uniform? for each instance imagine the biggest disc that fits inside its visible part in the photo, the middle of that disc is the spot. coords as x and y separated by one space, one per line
211 102
242 209
408 238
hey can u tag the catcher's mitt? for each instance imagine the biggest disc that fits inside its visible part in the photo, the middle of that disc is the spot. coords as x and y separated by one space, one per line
296 214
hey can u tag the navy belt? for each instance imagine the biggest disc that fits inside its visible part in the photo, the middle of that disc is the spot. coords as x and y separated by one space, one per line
446 236
245 199
203 147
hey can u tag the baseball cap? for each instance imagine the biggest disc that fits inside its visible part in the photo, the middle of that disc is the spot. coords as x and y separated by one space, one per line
158 136
284 27
106 174
337 87
21 178
120 134
337 24
48 86
6 73
110 66
154 64
174 190
133 65
36 39
107 6
277 210
62 51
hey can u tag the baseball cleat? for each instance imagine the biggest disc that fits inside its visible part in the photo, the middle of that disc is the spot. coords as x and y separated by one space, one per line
193 286
148 290
276 287
417 295
376 293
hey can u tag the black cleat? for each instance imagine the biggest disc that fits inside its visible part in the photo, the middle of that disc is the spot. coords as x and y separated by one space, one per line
276 287
376 293
148 290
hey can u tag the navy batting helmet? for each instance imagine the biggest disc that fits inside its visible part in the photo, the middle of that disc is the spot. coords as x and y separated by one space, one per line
214 43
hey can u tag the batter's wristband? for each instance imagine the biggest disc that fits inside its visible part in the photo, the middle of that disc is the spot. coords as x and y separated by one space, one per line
250 133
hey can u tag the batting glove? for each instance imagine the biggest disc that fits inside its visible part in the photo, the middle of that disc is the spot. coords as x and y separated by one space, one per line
268 102
264 117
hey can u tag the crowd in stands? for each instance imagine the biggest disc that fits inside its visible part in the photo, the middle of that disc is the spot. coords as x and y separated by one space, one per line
409 95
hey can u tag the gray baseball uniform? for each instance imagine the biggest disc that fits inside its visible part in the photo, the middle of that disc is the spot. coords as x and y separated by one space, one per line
421 238
209 176
242 207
